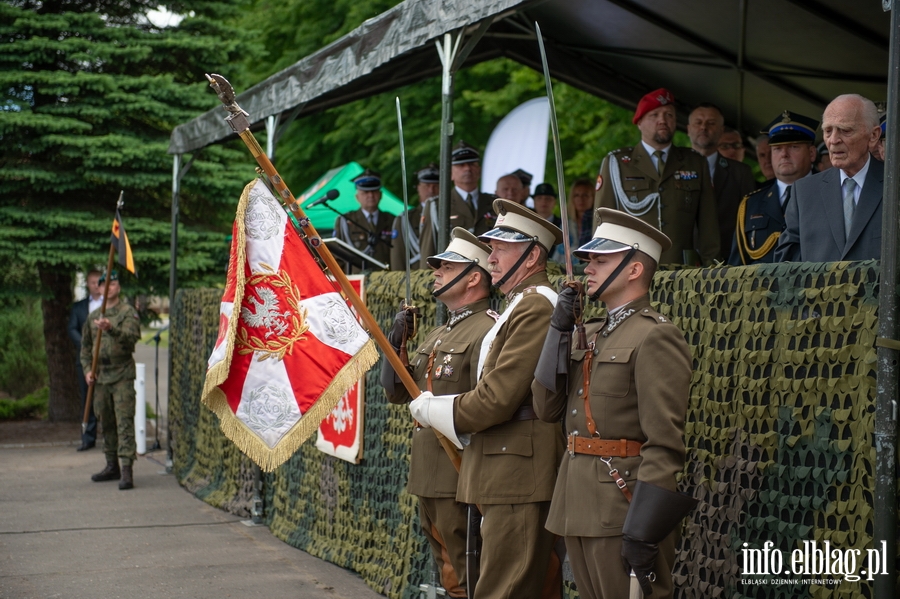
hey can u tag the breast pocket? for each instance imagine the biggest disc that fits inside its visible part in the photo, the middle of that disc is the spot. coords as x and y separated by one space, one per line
507 469
419 363
639 187
448 362
687 196
756 222
612 372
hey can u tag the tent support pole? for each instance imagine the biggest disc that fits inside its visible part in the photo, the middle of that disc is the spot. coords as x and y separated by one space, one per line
178 173
885 531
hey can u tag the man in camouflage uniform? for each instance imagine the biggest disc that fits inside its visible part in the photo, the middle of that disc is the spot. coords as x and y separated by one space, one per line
445 363
114 396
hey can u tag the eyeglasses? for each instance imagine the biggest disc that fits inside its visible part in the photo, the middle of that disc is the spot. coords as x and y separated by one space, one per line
732 146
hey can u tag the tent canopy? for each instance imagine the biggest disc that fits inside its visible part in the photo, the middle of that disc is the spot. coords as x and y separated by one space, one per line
753 58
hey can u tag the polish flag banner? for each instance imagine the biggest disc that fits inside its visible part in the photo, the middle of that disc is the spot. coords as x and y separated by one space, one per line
288 347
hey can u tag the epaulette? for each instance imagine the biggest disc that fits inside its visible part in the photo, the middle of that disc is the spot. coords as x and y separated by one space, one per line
654 316
756 191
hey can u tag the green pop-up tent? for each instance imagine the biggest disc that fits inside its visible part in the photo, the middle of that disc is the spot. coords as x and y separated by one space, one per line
341 178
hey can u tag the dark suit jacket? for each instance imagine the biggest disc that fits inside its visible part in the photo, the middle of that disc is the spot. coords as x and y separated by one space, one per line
732 180
814 220
77 317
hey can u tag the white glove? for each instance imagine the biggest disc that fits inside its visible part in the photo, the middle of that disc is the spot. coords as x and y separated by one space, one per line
436 411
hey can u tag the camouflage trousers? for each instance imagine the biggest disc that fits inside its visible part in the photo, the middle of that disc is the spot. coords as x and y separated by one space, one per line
114 404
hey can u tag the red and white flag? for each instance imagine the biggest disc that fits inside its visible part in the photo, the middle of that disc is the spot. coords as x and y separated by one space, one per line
288 347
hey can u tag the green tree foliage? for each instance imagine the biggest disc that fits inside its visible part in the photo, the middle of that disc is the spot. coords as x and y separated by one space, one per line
89 93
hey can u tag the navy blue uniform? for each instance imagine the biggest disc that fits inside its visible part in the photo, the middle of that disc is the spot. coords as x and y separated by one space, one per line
760 222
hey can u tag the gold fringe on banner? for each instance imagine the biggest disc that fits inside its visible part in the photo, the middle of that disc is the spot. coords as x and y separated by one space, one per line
270 458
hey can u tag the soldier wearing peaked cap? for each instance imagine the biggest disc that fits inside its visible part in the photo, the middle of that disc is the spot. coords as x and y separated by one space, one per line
624 400
445 363
470 208
426 189
367 229
114 395
665 186
760 215
509 466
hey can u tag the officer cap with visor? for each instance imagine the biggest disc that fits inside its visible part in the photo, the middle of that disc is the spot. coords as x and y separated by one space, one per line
619 232
517 224
429 174
369 180
464 153
464 248
792 128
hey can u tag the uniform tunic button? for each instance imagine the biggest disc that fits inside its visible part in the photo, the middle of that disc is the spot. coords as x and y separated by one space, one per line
574 412
612 357
503 449
661 189
597 351
627 473
580 391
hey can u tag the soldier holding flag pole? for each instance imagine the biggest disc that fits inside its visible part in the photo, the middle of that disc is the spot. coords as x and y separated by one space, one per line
108 364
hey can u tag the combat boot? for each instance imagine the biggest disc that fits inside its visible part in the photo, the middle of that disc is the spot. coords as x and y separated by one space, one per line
127 481
111 472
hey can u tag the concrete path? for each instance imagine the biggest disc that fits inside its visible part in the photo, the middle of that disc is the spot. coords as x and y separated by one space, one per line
64 536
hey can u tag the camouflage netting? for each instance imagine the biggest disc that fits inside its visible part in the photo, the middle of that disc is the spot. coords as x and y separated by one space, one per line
779 432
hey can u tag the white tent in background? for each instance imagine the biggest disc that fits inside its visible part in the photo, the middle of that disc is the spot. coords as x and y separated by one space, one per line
519 141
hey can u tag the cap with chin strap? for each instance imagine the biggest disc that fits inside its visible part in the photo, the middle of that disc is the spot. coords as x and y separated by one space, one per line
619 232
517 224
464 248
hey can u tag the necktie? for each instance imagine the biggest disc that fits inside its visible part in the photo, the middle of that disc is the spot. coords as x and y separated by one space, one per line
372 220
787 197
471 202
660 161
849 204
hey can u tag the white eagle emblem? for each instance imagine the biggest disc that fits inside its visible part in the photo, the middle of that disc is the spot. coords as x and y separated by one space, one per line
266 314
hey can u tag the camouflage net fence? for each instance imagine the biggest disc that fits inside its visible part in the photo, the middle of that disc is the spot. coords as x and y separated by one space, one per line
779 435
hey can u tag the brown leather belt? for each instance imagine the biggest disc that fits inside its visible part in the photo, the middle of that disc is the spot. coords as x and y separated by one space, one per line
524 413
608 448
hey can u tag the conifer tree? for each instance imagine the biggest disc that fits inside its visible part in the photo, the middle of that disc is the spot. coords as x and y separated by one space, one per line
89 93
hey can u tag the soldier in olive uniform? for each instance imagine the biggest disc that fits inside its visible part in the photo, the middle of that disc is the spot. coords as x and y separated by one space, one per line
445 363
665 186
509 467
427 188
470 208
367 229
114 396
624 410
760 215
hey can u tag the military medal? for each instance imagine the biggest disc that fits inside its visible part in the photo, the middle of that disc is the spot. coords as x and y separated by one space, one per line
438 371
626 159
448 369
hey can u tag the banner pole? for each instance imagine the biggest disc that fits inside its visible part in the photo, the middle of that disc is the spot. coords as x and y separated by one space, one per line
240 124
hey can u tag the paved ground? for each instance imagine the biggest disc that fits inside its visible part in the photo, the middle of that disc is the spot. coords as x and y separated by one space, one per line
63 536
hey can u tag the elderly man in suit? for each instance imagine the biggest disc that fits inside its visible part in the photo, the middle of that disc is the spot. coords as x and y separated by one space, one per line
731 180
665 186
836 215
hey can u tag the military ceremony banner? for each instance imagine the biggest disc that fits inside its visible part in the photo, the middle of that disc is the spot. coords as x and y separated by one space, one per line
288 345
341 432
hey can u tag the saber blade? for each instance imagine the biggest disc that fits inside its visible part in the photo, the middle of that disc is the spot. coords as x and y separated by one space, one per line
405 202
560 176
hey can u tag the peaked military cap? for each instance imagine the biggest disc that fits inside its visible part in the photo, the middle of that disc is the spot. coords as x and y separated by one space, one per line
618 232
429 174
369 180
464 247
516 223
463 153
524 176
544 189
792 128
113 276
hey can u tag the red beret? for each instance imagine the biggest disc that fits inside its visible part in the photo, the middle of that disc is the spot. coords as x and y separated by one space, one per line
652 101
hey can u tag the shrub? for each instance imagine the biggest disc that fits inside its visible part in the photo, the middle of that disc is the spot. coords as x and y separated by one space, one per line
33 405
23 362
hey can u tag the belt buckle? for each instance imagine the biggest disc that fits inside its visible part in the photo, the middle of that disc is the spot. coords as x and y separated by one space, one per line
571 443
